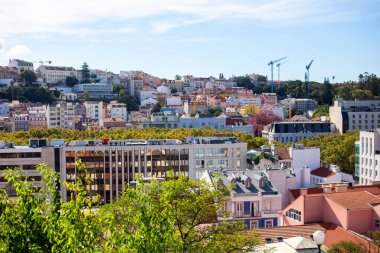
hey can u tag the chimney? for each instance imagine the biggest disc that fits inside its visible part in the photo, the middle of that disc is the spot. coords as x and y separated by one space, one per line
340 187
327 189
303 191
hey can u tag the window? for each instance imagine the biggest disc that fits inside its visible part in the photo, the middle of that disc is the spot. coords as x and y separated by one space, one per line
254 224
255 209
294 214
267 205
377 223
269 223
239 209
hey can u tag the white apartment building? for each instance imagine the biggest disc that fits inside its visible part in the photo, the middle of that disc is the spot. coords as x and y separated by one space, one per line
94 109
20 64
25 158
300 104
60 115
369 157
357 114
329 174
54 74
242 101
116 110
98 75
95 90
134 86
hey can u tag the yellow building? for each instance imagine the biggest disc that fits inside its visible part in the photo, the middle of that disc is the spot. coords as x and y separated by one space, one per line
249 109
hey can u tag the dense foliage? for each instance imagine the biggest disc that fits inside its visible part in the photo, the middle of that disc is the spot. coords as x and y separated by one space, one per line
178 215
22 137
31 94
336 149
322 110
347 246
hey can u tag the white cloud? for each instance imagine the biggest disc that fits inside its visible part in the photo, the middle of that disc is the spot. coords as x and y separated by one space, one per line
18 51
83 17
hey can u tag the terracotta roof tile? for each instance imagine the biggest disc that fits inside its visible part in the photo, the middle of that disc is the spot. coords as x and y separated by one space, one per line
333 234
323 172
354 200
374 189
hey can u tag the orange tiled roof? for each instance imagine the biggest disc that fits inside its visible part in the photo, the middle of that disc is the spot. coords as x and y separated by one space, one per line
354 200
374 189
323 172
333 234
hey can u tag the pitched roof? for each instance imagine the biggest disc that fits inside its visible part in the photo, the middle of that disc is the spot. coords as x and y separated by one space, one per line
323 172
354 200
283 153
333 234
374 189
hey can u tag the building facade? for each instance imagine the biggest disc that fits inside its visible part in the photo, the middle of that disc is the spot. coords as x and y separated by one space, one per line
369 157
253 199
95 90
286 132
54 74
357 114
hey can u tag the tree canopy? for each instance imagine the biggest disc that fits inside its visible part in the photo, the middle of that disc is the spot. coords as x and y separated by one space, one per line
22 137
336 149
85 73
28 76
31 94
177 215
71 81
322 110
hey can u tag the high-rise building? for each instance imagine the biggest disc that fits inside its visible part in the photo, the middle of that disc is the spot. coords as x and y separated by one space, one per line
369 157
112 164
356 114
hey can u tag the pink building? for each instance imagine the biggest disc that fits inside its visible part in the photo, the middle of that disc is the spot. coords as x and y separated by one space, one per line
354 208
217 101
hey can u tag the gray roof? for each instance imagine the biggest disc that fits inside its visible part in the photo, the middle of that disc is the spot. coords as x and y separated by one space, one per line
239 178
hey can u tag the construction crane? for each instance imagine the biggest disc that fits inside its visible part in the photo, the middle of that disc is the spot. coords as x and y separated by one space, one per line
307 78
278 68
271 63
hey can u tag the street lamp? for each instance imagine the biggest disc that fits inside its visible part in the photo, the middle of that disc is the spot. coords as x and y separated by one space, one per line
318 238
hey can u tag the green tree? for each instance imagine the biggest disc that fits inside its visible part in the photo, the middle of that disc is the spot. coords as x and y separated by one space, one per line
244 82
177 77
336 149
347 247
326 93
86 96
164 80
71 81
362 94
39 221
85 73
170 216
28 76
322 110
131 103
156 108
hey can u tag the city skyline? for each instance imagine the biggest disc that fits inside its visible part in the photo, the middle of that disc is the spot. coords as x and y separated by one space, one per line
201 37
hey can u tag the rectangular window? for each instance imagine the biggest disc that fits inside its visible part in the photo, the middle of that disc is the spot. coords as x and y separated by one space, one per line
239 209
269 223
255 209
294 214
254 224
377 223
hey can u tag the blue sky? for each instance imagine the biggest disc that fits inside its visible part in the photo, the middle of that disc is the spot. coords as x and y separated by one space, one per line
199 37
